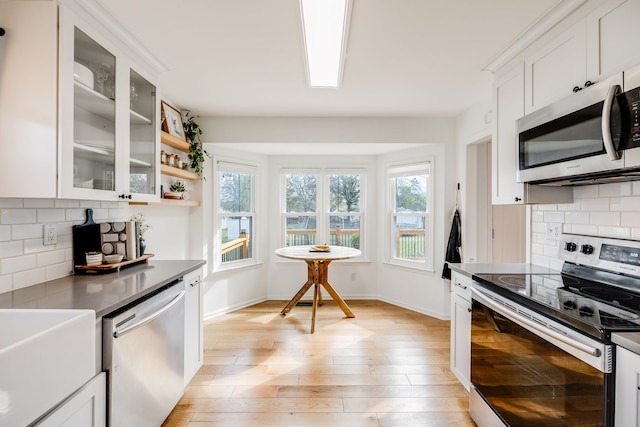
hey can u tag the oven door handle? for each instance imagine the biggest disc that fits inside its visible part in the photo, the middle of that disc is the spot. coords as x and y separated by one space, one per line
606 123
526 323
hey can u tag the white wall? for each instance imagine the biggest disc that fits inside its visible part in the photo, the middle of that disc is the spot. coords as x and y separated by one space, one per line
606 210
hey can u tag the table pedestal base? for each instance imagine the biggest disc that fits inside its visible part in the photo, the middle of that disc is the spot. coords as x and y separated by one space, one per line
318 274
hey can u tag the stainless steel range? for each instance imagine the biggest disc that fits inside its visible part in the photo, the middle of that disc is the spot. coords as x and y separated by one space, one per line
541 351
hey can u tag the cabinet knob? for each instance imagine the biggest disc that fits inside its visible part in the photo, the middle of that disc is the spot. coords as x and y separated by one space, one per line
2 32
470 310
576 89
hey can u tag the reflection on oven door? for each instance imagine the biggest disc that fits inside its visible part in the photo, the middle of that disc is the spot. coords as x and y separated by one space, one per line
527 380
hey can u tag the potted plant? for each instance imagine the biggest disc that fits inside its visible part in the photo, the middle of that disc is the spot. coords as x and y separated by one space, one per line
196 152
176 190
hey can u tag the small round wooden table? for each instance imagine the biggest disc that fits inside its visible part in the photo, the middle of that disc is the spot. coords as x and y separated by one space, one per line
317 275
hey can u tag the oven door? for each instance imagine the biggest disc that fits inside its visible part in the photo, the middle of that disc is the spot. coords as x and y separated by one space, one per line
523 374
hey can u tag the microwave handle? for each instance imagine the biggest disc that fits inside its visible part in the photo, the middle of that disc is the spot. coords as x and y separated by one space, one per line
606 122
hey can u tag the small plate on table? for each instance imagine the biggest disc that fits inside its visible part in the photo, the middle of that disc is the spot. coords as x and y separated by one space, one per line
320 248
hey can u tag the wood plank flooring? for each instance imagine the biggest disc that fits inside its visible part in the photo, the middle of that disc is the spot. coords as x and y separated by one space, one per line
387 367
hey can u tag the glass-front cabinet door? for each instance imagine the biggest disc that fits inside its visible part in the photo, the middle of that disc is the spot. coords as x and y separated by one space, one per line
143 128
94 115
109 122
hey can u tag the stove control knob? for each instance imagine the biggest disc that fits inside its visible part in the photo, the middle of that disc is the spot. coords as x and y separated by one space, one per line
570 305
570 247
586 249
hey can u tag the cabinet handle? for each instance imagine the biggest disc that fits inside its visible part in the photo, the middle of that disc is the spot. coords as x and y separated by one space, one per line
589 83
470 310
517 199
125 196
576 89
458 284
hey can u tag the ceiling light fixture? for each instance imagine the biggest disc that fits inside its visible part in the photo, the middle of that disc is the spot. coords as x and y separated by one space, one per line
325 25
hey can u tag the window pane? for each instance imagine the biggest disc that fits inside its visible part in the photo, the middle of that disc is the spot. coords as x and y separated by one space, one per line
236 238
235 192
409 236
301 193
411 193
345 231
344 193
301 230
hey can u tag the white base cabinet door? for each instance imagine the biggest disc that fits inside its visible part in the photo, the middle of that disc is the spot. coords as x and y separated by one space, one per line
627 388
85 408
193 339
461 328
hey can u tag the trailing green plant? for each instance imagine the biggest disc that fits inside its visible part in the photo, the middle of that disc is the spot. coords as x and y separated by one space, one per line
196 152
178 187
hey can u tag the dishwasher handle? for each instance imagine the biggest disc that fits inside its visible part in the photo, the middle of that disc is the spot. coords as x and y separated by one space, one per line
149 318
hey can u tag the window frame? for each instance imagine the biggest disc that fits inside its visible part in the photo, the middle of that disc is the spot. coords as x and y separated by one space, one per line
323 214
254 171
425 166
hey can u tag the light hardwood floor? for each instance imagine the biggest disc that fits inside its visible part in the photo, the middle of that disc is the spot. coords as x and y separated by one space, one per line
387 367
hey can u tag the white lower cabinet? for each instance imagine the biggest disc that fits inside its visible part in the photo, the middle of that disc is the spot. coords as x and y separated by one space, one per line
461 328
193 344
627 388
85 408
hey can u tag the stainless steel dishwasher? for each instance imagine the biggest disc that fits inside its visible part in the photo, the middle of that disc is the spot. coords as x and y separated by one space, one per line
143 353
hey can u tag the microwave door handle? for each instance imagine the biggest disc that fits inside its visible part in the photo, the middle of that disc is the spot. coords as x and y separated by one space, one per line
606 123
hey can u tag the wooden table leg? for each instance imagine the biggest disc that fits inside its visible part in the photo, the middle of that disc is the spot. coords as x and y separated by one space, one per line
341 303
296 298
316 291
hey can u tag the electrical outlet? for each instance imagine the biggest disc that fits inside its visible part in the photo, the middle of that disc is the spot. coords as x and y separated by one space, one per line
553 231
50 235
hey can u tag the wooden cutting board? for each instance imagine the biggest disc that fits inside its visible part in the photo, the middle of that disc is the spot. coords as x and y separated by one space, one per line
86 238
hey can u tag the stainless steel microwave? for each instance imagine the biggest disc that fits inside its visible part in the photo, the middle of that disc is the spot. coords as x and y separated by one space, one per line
590 137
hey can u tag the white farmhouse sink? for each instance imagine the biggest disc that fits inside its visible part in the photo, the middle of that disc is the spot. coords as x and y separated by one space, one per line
45 355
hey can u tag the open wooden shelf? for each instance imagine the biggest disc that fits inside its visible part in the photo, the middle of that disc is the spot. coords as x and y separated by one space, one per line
169 202
179 173
172 141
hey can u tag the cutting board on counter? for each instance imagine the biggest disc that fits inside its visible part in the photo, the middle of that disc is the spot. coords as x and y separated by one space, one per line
86 238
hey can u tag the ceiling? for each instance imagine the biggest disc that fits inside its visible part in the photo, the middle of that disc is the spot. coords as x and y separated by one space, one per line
405 58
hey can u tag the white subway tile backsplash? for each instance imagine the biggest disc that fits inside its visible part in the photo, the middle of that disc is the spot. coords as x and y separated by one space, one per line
5 233
615 232
27 231
38 203
24 259
554 217
630 219
11 248
50 215
18 216
589 230
577 217
616 189
605 218
635 188
594 204
29 277
625 204
586 191
19 263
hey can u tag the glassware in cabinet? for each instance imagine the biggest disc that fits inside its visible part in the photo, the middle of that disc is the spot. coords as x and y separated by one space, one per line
143 135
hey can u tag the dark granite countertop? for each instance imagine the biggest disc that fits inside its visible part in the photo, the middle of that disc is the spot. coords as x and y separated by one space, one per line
103 293
515 268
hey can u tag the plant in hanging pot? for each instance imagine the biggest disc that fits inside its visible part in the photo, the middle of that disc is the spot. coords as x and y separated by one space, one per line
196 151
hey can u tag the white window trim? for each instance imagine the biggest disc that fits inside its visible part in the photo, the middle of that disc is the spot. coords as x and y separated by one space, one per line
322 213
399 169
231 165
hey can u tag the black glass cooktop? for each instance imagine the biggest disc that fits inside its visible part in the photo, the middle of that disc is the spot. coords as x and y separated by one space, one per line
592 301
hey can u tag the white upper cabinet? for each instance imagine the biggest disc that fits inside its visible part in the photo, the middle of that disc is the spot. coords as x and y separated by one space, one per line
28 98
612 38
556 70
109 118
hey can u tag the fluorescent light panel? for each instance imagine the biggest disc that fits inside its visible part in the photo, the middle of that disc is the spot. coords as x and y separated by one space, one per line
324 24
